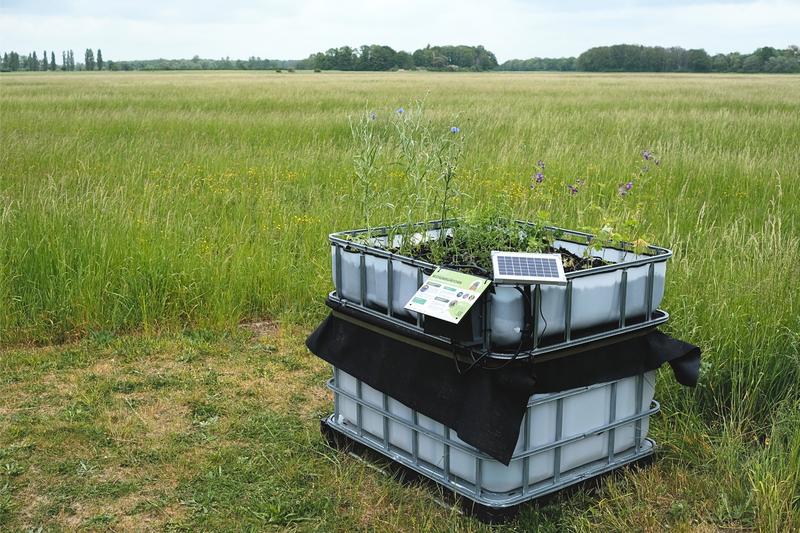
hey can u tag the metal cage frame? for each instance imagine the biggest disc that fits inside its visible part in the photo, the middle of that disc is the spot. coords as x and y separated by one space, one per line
344 241
474 490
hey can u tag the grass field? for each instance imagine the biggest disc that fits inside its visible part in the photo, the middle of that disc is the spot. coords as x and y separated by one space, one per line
144 217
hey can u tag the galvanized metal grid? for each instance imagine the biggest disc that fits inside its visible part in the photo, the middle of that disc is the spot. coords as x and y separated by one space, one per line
342 240
475 491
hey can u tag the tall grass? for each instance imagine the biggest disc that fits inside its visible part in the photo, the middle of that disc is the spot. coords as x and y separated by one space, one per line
150 201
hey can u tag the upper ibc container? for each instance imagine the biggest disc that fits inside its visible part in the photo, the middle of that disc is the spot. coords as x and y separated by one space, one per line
620 295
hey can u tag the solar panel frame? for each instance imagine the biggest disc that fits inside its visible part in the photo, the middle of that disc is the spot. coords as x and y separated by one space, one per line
528 268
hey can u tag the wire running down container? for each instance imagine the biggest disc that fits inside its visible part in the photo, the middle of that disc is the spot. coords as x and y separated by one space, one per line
565 438
596 303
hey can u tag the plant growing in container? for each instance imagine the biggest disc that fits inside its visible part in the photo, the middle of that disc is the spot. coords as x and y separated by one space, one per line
611 284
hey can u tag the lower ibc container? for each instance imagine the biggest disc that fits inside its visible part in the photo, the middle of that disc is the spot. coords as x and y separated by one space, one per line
565 437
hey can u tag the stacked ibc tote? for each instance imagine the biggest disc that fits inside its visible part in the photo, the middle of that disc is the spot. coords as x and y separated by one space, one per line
538 388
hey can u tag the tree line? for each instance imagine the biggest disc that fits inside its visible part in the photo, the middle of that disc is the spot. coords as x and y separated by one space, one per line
198 63
635 58
560 64
14 62
616 58
380 57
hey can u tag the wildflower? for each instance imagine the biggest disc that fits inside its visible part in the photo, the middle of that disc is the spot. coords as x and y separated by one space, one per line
539 177
573 189
373 115
540 164
624 189
455 129
646 155
400 111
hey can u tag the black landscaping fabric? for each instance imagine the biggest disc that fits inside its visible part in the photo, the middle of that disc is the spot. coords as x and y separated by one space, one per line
485 407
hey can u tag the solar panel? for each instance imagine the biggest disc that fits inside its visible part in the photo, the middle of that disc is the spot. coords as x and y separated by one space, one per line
528 268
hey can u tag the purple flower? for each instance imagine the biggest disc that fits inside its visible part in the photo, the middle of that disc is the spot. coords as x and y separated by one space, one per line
400 111
625 189
373 115
539 177
647 155
540 164
573 189
455 129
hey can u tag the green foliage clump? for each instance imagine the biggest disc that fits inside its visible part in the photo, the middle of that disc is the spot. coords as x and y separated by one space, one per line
484 229
637 58
426 156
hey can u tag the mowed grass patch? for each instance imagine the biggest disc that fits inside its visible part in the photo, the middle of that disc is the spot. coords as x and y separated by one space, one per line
180 432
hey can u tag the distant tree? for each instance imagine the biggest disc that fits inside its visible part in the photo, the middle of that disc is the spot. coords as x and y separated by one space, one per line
13 61
99 59
71 60
423 58
635 58
654 59
784 63
4 65
342 58
89 59
63 60
52 60
439 60
484 59
33 62
677 60
719 63
698 60
405 60
765 53
540 63
375 57
735 61
752 63
45 65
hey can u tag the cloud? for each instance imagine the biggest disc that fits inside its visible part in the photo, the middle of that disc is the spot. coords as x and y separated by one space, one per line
293 29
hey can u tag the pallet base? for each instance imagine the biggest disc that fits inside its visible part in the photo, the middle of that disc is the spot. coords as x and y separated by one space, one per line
485 513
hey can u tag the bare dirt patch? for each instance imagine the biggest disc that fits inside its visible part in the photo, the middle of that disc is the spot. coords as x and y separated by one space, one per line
104 367
264 328
147 416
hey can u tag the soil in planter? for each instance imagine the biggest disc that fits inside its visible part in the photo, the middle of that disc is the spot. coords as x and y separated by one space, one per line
481 264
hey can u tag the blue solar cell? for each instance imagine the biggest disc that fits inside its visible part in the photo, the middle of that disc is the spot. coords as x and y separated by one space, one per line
525 267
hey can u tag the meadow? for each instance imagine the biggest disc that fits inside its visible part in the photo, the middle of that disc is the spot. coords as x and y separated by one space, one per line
163 253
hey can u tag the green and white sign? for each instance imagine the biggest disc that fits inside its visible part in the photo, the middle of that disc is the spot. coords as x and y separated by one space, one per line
447 295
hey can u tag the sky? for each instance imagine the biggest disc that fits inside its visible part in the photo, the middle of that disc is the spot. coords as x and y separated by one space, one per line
293 29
